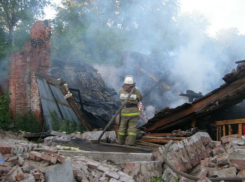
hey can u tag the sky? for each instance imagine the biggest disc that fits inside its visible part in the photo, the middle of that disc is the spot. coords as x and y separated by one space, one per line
221 14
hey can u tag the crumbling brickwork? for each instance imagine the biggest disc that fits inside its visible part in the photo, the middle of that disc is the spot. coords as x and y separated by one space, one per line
34 56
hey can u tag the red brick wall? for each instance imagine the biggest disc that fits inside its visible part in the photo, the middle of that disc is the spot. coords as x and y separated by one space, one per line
34 56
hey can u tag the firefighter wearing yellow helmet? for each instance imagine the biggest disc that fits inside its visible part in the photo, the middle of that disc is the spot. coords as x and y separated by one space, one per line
129 113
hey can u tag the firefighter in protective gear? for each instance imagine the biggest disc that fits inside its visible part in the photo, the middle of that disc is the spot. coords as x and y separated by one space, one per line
130 112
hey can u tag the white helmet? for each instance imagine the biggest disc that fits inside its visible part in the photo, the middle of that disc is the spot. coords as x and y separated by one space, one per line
129 79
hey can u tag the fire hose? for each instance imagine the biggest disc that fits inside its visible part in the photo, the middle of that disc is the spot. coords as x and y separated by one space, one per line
119 110
194 177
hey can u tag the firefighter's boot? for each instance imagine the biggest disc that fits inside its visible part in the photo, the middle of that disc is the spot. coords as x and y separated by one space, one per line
121 139
131 140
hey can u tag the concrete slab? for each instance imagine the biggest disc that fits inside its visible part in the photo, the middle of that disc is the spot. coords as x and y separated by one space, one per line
117 157
60 172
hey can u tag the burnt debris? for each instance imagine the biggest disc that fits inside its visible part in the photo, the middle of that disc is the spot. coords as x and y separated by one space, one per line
89 91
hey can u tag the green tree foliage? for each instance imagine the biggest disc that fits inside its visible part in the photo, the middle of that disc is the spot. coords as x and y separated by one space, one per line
148 24
3 44
78 34
96 31
13 12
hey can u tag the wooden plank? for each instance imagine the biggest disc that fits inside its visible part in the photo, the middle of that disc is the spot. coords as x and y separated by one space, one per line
217 133
64 104
240 129
166 138
148 143
224 133
232 121
157 140
229 129
159 134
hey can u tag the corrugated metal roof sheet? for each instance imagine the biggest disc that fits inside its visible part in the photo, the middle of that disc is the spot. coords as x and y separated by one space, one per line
52 100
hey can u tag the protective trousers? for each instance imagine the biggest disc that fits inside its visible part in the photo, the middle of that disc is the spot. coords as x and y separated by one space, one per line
128 124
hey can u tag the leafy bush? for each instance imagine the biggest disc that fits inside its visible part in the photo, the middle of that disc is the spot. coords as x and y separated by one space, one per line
64 125
28 122
4 110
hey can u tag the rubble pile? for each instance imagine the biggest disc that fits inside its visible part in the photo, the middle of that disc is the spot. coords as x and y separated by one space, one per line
27 162
200 156
197 155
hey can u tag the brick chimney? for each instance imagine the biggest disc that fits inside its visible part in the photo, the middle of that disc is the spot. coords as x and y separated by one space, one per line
34 57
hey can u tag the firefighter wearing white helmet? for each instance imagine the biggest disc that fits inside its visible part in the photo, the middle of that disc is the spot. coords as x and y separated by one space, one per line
129 114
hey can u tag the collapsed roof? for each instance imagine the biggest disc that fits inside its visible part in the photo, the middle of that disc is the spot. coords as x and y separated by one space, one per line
228 94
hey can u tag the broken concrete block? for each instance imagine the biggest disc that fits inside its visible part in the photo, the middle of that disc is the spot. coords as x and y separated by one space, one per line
4 170
223 159
20 177
241 174
238 163
237 159
5 149
13 159
61 158
28 178
113 180
35 156
203 172
214 144
207 163
218 150
125 177
27 167
213 173
64 172
38 175
93 165
11 176
45 156
53 160
169 175
20 160
238 141
112 174
228 138
229 172
103 168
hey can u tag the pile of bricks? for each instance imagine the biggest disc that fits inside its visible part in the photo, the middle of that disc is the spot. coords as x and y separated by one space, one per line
197 155
90 170
204 158
28 162
143 171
